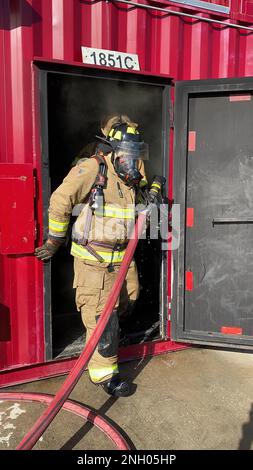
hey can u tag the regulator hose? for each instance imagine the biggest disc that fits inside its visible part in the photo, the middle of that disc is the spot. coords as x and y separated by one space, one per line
60 398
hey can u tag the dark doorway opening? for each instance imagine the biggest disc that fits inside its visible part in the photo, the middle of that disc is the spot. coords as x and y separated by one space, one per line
75 104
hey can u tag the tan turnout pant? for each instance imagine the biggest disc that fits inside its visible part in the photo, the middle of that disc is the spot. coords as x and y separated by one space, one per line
93 285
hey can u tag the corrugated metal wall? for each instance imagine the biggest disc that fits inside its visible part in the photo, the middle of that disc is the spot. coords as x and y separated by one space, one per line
182 48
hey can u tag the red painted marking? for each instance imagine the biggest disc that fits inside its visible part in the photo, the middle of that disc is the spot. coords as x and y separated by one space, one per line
240 97
191 141
231 330
189 281
190 217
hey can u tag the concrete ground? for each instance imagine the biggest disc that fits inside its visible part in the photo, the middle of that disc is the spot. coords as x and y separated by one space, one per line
191 399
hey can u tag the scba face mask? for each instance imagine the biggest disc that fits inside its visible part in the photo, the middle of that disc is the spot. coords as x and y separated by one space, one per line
127 170
128 150
126 166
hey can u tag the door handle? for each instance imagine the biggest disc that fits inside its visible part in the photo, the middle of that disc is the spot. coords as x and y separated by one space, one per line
231 220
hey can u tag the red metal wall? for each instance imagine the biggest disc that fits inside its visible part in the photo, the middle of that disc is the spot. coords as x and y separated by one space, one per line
182 48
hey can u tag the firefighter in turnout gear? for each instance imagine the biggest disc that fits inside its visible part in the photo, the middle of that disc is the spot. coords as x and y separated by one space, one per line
103 190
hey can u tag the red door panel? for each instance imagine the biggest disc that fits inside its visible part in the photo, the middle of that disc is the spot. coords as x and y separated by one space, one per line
17 225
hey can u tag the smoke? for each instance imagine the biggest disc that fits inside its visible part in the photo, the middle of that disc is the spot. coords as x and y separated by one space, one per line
77 105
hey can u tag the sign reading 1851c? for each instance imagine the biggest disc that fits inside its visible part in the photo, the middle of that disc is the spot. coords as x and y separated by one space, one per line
113 59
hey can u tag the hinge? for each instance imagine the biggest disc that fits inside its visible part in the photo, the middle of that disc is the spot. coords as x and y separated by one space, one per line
35 195
35 230
171 114
34 187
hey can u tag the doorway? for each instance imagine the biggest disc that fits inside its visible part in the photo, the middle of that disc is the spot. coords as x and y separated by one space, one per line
73 101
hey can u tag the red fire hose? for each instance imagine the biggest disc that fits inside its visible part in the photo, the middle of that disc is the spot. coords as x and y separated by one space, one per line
60 398
75 408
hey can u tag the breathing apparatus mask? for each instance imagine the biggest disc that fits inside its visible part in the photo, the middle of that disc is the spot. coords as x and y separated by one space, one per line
127 150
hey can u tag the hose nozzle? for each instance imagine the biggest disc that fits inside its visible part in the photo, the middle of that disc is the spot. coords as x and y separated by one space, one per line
156 187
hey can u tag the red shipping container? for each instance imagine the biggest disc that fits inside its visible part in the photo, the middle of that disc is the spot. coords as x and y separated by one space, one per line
42 35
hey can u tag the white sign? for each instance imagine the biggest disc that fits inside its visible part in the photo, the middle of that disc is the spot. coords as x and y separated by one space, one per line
112 59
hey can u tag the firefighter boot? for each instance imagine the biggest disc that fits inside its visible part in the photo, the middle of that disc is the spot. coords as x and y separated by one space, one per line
117 387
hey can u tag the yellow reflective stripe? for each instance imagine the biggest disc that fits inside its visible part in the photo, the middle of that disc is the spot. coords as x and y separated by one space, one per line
58 230
111 133
116 212
108 257
117 135
97 375
58 226
132 130
156 190
156 185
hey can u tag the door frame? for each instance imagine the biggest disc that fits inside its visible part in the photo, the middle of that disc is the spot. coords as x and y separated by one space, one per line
43 68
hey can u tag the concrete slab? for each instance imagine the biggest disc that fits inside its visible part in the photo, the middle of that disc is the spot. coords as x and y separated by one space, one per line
192 399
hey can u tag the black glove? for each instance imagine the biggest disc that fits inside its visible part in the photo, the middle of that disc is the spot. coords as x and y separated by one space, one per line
156 187
50 247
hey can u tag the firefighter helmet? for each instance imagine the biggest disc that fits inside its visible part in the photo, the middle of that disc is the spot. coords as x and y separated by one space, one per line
128 149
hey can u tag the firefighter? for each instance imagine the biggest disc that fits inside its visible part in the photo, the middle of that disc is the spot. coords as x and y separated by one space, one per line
105 187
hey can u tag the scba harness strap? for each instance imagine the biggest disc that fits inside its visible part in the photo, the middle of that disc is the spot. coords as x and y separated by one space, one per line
96 202
97 191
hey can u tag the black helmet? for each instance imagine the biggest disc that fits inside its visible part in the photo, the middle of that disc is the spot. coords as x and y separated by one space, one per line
128 139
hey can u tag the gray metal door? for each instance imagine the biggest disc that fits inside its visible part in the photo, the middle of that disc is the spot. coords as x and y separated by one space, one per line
213 283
